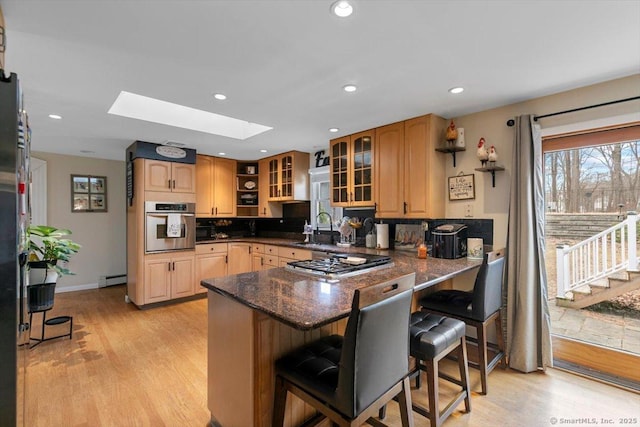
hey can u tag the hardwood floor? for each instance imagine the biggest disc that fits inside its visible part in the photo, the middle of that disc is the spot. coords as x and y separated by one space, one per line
127 367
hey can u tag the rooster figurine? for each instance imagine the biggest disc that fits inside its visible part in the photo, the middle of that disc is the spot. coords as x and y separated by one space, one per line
452 133
482 153
493 155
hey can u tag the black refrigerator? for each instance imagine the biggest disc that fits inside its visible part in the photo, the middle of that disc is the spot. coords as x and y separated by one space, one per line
14 220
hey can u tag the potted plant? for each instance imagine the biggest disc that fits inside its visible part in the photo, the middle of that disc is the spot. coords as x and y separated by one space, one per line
51 247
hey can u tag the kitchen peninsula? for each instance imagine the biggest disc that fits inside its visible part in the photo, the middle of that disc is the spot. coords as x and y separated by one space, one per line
254 318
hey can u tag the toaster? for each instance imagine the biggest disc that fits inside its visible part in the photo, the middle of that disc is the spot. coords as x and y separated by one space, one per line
449 241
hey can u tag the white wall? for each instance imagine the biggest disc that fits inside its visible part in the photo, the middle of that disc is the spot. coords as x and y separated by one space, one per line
102 235
491 124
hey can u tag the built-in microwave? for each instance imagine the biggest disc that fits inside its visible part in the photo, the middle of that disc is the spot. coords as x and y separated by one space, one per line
169 226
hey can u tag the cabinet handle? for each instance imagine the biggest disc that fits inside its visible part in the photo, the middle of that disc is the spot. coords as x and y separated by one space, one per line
351 197
226 259
216 210
405 208
168 266
375 207
169 183
264 210
261 261
174 184
211 211
173 266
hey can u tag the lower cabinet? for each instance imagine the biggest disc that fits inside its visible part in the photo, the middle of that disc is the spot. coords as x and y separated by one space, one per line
240 260
211 262
168 276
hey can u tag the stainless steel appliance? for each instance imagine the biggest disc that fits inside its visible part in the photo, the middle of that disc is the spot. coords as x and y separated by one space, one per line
169 226
14 219
449 241
338 265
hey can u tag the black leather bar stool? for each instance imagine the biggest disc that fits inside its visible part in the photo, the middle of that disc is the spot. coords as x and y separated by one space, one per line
348 379
433 337
479 309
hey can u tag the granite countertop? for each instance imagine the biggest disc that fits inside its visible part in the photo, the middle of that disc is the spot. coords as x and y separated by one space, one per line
306 302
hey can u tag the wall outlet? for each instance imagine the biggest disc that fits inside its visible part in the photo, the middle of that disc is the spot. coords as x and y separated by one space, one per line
468 210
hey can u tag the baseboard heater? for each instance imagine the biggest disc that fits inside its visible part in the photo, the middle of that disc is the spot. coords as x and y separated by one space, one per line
115 279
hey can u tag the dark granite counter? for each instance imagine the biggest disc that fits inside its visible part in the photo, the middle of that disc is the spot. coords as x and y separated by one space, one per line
307 302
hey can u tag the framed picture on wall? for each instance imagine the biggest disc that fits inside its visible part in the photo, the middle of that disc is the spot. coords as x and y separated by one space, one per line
88 193
462 187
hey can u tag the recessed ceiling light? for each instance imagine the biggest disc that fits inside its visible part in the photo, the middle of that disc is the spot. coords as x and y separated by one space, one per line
87 152
334 130
350 88
220 96
341 8
222 154
263 151
55 116
456 90
154 110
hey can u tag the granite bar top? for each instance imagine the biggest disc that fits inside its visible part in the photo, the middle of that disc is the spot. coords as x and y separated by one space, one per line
306 302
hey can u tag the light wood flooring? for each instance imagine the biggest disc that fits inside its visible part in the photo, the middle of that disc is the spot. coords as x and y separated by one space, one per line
130 367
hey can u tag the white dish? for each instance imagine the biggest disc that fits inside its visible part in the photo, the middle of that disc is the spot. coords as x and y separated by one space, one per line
250 185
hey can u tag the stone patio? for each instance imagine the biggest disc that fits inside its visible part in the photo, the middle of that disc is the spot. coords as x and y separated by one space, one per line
615 331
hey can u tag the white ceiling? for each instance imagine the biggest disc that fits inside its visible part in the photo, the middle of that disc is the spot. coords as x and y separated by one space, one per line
283 63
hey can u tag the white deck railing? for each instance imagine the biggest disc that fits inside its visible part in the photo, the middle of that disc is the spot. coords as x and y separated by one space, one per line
610 251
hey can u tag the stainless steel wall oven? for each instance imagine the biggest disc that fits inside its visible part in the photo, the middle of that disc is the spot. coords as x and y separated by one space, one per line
169 226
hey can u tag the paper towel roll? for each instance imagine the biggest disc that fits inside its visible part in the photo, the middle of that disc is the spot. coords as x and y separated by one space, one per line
382 236
474 248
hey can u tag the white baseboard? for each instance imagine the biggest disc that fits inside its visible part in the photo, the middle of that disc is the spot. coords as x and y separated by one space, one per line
73 288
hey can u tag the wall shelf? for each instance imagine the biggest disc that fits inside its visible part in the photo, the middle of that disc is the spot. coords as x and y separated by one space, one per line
452 150
492 170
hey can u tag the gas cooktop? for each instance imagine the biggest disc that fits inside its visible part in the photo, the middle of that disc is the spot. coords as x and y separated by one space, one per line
341 265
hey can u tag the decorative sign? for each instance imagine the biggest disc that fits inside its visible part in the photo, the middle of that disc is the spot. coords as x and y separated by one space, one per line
171 152
321 160
88 193
462 187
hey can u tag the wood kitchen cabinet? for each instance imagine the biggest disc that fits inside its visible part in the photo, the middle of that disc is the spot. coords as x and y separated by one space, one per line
351 170
168 276
266 207
287 177
409 177
211 262
216 190
239 260
169 176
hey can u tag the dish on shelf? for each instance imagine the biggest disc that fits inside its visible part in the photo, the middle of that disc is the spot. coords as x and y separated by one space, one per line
250 185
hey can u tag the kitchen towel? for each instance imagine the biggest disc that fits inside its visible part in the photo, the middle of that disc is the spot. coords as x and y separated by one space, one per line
382 236
174 225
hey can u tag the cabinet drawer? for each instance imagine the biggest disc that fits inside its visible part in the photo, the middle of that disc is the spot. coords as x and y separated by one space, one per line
271 260
294 254
211 248
257 248
271 250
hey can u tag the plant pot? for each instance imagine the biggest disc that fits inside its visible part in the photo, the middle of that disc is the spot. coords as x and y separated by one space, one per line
39 273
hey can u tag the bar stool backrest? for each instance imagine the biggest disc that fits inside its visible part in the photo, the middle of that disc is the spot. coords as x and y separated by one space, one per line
375 350
487 290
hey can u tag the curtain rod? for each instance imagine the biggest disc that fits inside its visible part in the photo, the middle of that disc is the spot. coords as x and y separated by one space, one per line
511 122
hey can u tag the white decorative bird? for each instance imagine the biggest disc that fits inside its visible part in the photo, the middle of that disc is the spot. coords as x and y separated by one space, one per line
482 153
493 155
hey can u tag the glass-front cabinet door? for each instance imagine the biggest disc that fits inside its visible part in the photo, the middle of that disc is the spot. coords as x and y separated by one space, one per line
273 179
352 170
286 176
362 169
340 157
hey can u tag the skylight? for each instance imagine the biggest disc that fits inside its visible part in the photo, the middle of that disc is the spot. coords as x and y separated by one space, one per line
167 113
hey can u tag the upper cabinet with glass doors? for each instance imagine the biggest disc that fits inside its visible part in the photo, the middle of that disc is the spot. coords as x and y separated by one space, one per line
287 177
352 170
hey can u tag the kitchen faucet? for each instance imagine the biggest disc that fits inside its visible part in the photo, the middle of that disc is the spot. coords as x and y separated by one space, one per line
330 225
